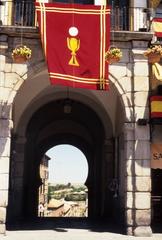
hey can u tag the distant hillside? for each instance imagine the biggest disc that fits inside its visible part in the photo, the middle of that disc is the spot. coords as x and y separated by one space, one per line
67 184
59 191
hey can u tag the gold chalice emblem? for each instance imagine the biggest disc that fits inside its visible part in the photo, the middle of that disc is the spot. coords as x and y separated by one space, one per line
73 45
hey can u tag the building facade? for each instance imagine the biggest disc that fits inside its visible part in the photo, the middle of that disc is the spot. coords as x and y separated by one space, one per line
43 189
104 125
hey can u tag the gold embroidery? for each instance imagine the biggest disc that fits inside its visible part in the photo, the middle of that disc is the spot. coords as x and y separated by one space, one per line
78 79
73 45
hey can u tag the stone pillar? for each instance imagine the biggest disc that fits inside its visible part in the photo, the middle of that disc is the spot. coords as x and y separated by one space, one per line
137 147
108 159
16 183
107 177
10 81
138 187
5 136
5 140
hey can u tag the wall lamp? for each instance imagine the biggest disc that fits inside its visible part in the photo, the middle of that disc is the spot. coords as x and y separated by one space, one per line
67 106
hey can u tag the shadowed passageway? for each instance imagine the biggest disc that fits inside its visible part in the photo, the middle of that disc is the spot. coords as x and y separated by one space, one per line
64 224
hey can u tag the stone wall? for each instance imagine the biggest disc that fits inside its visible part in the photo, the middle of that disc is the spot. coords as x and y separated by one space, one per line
137 141
11 78
5 136
133 85
131 79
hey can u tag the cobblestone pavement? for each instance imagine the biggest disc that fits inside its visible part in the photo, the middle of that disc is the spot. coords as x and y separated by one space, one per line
69 230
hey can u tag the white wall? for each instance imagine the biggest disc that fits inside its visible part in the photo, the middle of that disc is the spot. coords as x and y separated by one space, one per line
100 2
139 3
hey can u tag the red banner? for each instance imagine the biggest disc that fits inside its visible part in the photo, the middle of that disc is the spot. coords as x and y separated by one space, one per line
75 38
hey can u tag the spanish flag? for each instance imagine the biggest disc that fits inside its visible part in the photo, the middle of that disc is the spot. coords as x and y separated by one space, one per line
75 38
157 26
156 106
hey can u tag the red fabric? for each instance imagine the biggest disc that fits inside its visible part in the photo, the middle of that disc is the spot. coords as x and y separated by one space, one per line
156 98
157 19
156 115
158 34
54 27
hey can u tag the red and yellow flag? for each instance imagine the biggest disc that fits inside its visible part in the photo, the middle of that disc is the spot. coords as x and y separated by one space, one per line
156 106
157 26
75 38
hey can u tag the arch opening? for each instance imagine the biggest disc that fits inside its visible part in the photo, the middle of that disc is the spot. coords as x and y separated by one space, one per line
87 120
63 193
49 126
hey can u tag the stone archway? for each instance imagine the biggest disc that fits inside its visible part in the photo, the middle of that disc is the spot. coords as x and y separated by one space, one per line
92 127
118 111
50 125
118 126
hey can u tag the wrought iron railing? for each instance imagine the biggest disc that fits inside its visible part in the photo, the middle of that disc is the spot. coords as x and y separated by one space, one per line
130 19
17 13
22 13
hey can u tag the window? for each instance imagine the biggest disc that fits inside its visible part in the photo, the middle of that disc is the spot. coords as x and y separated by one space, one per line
119 3
119 14
24 13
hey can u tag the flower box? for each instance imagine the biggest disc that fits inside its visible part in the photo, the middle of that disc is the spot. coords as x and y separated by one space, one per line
19 59
21 54
154 58
113 55
154 53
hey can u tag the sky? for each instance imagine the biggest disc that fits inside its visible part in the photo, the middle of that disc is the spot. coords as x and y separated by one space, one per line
67 164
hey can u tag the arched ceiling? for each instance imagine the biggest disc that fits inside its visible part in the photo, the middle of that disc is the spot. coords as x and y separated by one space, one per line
51 125
37 92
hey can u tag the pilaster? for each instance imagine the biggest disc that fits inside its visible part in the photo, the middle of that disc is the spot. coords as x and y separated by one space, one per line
17 171
6 125
137 152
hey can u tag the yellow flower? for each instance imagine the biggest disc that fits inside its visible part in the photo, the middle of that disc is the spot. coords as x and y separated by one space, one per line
22 51
113 52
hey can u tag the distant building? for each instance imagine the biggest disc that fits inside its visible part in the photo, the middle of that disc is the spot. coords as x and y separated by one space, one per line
43 189
56 208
